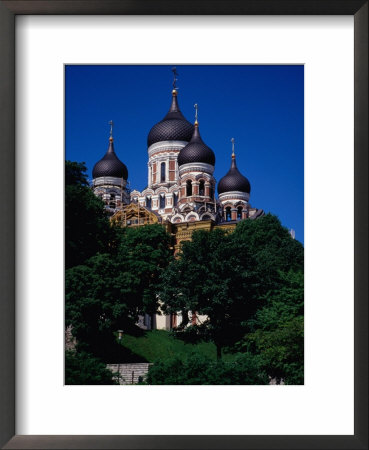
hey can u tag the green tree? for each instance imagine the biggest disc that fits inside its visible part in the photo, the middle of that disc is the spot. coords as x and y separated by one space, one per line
197 369
143 254
83 368
272 247
214 276
96 304
277 331
87 228
109 291
228 277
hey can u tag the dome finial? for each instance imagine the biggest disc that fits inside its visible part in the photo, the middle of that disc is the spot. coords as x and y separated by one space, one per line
196 106
175 79
233 154
111 123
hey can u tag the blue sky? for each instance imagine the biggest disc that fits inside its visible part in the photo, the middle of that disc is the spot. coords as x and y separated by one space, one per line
262 107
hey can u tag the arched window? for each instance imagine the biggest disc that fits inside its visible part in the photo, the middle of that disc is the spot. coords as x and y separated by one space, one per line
239 213
148 202
228 214
162 172
189 188
202 187
162 201
175 199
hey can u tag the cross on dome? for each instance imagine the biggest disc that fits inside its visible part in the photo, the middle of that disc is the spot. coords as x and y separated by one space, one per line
111 123
196 106
175 79
233 154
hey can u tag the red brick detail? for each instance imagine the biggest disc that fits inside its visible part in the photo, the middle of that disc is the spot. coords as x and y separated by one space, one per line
172 165
234 215
172 175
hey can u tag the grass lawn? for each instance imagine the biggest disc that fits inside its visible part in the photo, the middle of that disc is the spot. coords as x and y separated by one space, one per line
160 344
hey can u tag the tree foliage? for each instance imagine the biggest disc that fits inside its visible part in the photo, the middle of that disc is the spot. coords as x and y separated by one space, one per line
197 369
143 254
109 291
272 247
213 276
83 368
87 228
277 331
239 282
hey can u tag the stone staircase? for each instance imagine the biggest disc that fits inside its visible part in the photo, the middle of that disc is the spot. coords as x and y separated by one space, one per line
130 373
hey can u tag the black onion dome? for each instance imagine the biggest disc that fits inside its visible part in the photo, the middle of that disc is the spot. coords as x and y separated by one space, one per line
110 165
174 127
196 151
233 180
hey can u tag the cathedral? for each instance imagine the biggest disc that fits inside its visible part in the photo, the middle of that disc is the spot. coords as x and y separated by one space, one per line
180 191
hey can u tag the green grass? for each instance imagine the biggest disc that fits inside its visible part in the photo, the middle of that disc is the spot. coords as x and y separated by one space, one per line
160 344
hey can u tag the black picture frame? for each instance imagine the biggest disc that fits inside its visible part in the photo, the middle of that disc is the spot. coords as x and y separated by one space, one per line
8 11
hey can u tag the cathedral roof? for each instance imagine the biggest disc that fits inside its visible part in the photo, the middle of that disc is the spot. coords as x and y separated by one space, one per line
110 165
233 180
196 151
174 127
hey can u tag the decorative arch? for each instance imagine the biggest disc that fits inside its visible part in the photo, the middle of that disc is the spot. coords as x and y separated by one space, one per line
191 214
177 218
188 177
162 190
207 216
185 207
147 191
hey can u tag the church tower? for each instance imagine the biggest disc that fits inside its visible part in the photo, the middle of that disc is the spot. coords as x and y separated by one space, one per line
110 178
164 142
196 163
234 193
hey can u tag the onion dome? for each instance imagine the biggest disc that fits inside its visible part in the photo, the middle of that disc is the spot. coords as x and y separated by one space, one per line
196 151
234 180
174 127
110 165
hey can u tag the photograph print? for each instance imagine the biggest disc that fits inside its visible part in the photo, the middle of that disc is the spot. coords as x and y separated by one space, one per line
184 224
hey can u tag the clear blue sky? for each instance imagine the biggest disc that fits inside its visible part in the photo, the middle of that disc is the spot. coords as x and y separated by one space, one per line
262 107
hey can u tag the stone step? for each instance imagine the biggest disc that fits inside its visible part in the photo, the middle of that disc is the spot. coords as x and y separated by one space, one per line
130 373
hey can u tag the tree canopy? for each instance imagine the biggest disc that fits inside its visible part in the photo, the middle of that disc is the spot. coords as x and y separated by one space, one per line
214 276
276 333
87 228
197 369
109 291
84 369
229 277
